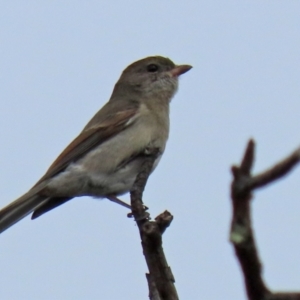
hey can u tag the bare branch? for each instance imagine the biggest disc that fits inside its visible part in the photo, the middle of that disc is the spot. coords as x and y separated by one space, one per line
276 172
160 278
241 235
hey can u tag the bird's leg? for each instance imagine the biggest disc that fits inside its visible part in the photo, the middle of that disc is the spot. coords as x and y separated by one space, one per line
113 198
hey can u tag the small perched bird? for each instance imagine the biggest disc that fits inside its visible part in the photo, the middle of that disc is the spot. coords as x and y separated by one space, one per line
104 159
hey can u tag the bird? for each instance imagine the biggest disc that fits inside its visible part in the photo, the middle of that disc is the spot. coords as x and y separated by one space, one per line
104 159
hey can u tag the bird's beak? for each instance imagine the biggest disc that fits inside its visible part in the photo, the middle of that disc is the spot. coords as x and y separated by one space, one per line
178 70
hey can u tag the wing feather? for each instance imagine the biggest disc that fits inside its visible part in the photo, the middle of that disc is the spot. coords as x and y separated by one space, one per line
90 138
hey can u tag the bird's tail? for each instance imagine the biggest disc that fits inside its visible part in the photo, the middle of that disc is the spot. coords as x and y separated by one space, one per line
19 209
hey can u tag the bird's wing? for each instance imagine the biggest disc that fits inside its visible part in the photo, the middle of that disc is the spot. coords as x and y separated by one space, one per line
90 138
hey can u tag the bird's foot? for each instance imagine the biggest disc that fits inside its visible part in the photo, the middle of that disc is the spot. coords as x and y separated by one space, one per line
118 201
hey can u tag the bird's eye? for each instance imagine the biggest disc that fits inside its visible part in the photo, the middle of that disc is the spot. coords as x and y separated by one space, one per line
152 68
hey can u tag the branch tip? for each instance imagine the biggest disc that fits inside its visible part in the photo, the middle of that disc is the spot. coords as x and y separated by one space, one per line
247 161
235 171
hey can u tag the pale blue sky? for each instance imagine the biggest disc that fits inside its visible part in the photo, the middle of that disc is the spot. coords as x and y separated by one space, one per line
58 64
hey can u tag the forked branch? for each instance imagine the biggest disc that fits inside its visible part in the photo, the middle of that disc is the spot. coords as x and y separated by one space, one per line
241 234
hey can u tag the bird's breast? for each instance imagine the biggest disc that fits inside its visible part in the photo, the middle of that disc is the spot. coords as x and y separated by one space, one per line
146 130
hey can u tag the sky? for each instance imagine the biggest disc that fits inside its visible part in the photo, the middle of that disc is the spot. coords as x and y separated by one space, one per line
59 61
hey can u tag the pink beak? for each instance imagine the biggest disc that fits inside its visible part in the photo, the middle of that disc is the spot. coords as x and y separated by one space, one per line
178 70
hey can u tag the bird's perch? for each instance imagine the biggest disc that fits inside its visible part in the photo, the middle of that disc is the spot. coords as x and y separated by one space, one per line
160 278
241 234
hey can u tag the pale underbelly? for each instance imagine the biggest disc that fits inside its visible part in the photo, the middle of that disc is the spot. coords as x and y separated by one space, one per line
77 181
